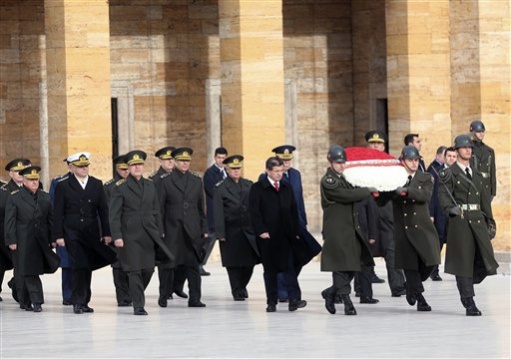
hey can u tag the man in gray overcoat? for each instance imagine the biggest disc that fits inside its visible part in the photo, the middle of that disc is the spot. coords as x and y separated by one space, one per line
345 249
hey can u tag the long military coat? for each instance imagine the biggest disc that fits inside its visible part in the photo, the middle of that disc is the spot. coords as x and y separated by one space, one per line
233 223
28 222
183 215
469 251
76 215
415 234
483 159
158 175
135 217
344 248
5 253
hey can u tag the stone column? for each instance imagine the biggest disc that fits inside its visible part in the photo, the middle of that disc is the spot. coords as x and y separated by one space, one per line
78 72
418 73
252 73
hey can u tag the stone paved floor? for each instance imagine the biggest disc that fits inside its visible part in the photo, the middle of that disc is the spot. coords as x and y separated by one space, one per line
243 329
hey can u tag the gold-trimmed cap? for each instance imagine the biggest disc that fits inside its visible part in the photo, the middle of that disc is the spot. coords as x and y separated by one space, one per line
31 172
120 162
135 157
182 153
79 159
165 153
17 164
234 161
375 136
284 152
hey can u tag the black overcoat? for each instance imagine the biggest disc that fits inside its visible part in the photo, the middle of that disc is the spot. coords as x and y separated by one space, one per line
78 214
233 223
135 218
5 253
28 223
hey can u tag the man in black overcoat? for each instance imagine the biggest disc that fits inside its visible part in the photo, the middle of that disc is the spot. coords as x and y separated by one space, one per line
233 227
80 209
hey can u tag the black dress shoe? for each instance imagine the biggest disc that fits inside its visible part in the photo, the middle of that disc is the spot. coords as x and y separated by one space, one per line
435 277
181 294
422 305
11 285
470 305
244 293
368 300
349 309
139 311
329 301
1 300
296 304
376 280
397 292
77 309
238 297
170 296
411 299
124 303
162 302
271 308
203 272
197 304
338 299
29 308
37 308
283 300
87 309
66 302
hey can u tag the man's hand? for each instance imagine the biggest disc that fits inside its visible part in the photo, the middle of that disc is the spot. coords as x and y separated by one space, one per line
119 243
372 241
264 235
12 247
107 240
402 191
60 242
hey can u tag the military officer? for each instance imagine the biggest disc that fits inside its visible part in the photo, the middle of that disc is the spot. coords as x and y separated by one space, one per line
120 277
166 160
79 202
483 158
469 255
184 218
136 228
28 222
233 227
417 244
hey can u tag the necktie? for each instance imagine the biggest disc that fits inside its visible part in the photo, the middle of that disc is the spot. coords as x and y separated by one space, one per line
409 180
467 171
276 184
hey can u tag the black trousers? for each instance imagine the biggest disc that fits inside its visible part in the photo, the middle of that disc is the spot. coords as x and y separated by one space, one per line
239 277
166 277
413 282
19 281
138 282
341 282
121 283
465 287
179 278
192 272
363 284
210 244
81 285
2 274
395 276
34 288
67 288
290 280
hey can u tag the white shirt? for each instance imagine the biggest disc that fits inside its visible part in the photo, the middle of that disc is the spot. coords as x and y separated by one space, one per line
463 167
83 182
273 182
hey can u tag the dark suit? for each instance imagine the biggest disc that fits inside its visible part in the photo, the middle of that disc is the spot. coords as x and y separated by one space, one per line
182 206
28 222
212 176
135 218
232 222
76 216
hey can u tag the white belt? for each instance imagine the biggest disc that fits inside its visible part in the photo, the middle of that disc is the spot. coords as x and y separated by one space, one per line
470 207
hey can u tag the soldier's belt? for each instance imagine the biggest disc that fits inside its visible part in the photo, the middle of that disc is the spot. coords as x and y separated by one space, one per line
485 174
470 207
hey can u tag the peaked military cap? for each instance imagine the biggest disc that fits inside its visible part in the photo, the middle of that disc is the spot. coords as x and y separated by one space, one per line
182 154
165 153
135 157
31 172
234 161
120 162
284 152
79 159
376 136
17 164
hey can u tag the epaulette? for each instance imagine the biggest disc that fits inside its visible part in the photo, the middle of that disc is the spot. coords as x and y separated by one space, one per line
445 175
120 182
166 174
107 183
219 183
329 182
196 174
4 188
15 191
63 178
150 179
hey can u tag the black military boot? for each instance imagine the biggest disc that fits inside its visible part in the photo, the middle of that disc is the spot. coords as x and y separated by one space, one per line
411 298
349 309
329 297
422 305
470 305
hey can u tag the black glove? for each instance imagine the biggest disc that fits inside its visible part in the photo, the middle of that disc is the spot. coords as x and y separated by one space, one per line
492 228
402 191
454 211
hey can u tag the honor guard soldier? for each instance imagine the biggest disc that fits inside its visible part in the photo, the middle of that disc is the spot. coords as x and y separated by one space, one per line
413 139
184 218
417 244
80 208
233 227
28 222
15 183
469 255
483 158
120 277
135 222
345 250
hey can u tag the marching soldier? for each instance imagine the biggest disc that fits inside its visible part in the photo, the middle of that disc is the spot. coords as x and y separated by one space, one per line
79 202
28 222
120 277
344 250
483 158
462 195
136 228
233 227
417 243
